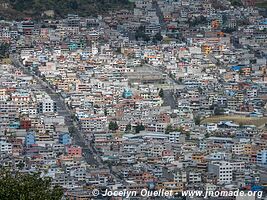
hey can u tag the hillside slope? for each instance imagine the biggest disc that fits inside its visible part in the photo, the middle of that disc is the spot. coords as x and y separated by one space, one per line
259 3
35 8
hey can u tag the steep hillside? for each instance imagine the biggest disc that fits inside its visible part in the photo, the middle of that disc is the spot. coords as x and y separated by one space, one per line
259 3
36 8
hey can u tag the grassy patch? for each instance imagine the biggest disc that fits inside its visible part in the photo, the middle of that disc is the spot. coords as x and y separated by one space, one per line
238 119
5 61
167 40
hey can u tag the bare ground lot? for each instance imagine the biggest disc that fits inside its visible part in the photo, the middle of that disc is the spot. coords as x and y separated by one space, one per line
238 119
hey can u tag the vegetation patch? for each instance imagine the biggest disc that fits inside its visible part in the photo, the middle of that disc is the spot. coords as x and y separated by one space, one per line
36 8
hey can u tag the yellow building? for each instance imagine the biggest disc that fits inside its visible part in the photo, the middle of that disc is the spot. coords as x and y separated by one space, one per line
206 49
248 149
171 186
198 157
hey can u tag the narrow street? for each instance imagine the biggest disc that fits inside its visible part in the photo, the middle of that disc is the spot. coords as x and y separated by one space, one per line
159 14
89 155
169 99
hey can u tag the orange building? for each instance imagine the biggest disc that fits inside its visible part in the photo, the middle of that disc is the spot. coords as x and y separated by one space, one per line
206 49
215 24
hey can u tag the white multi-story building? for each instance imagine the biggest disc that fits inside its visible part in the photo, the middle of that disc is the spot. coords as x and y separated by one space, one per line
223 170
180 177
194 177
262 157
5 147
47 106
238 148
174 137
212 127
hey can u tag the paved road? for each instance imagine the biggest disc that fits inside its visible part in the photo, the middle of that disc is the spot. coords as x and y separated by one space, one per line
213 59
169 99
159 14
90 156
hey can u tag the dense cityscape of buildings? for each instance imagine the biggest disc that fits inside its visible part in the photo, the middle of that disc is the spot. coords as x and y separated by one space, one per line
171 95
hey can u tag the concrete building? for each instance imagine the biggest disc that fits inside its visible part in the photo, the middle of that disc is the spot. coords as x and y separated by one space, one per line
223 170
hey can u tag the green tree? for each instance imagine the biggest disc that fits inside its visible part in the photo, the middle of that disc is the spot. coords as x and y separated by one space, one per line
197 120
73 5
139 127
71 130
105 112
140 34
218 111
146 38
169 129
34 8
188 135
20 165
170 75
118 50
198 21
128 127
161 94
4 50
236 2
200 90
158 37
180 129
229 30
113 126
25 186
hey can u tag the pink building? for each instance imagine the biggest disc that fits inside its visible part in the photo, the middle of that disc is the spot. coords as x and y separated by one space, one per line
249 2
74 151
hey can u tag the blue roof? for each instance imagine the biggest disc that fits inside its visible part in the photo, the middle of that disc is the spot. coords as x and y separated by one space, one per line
236 68
230 92
257 188
264 22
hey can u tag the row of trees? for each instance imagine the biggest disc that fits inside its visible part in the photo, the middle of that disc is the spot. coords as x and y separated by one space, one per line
63 7
4 50
161 93
170 128
141 34
113 126
197 21
236 2
24 186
